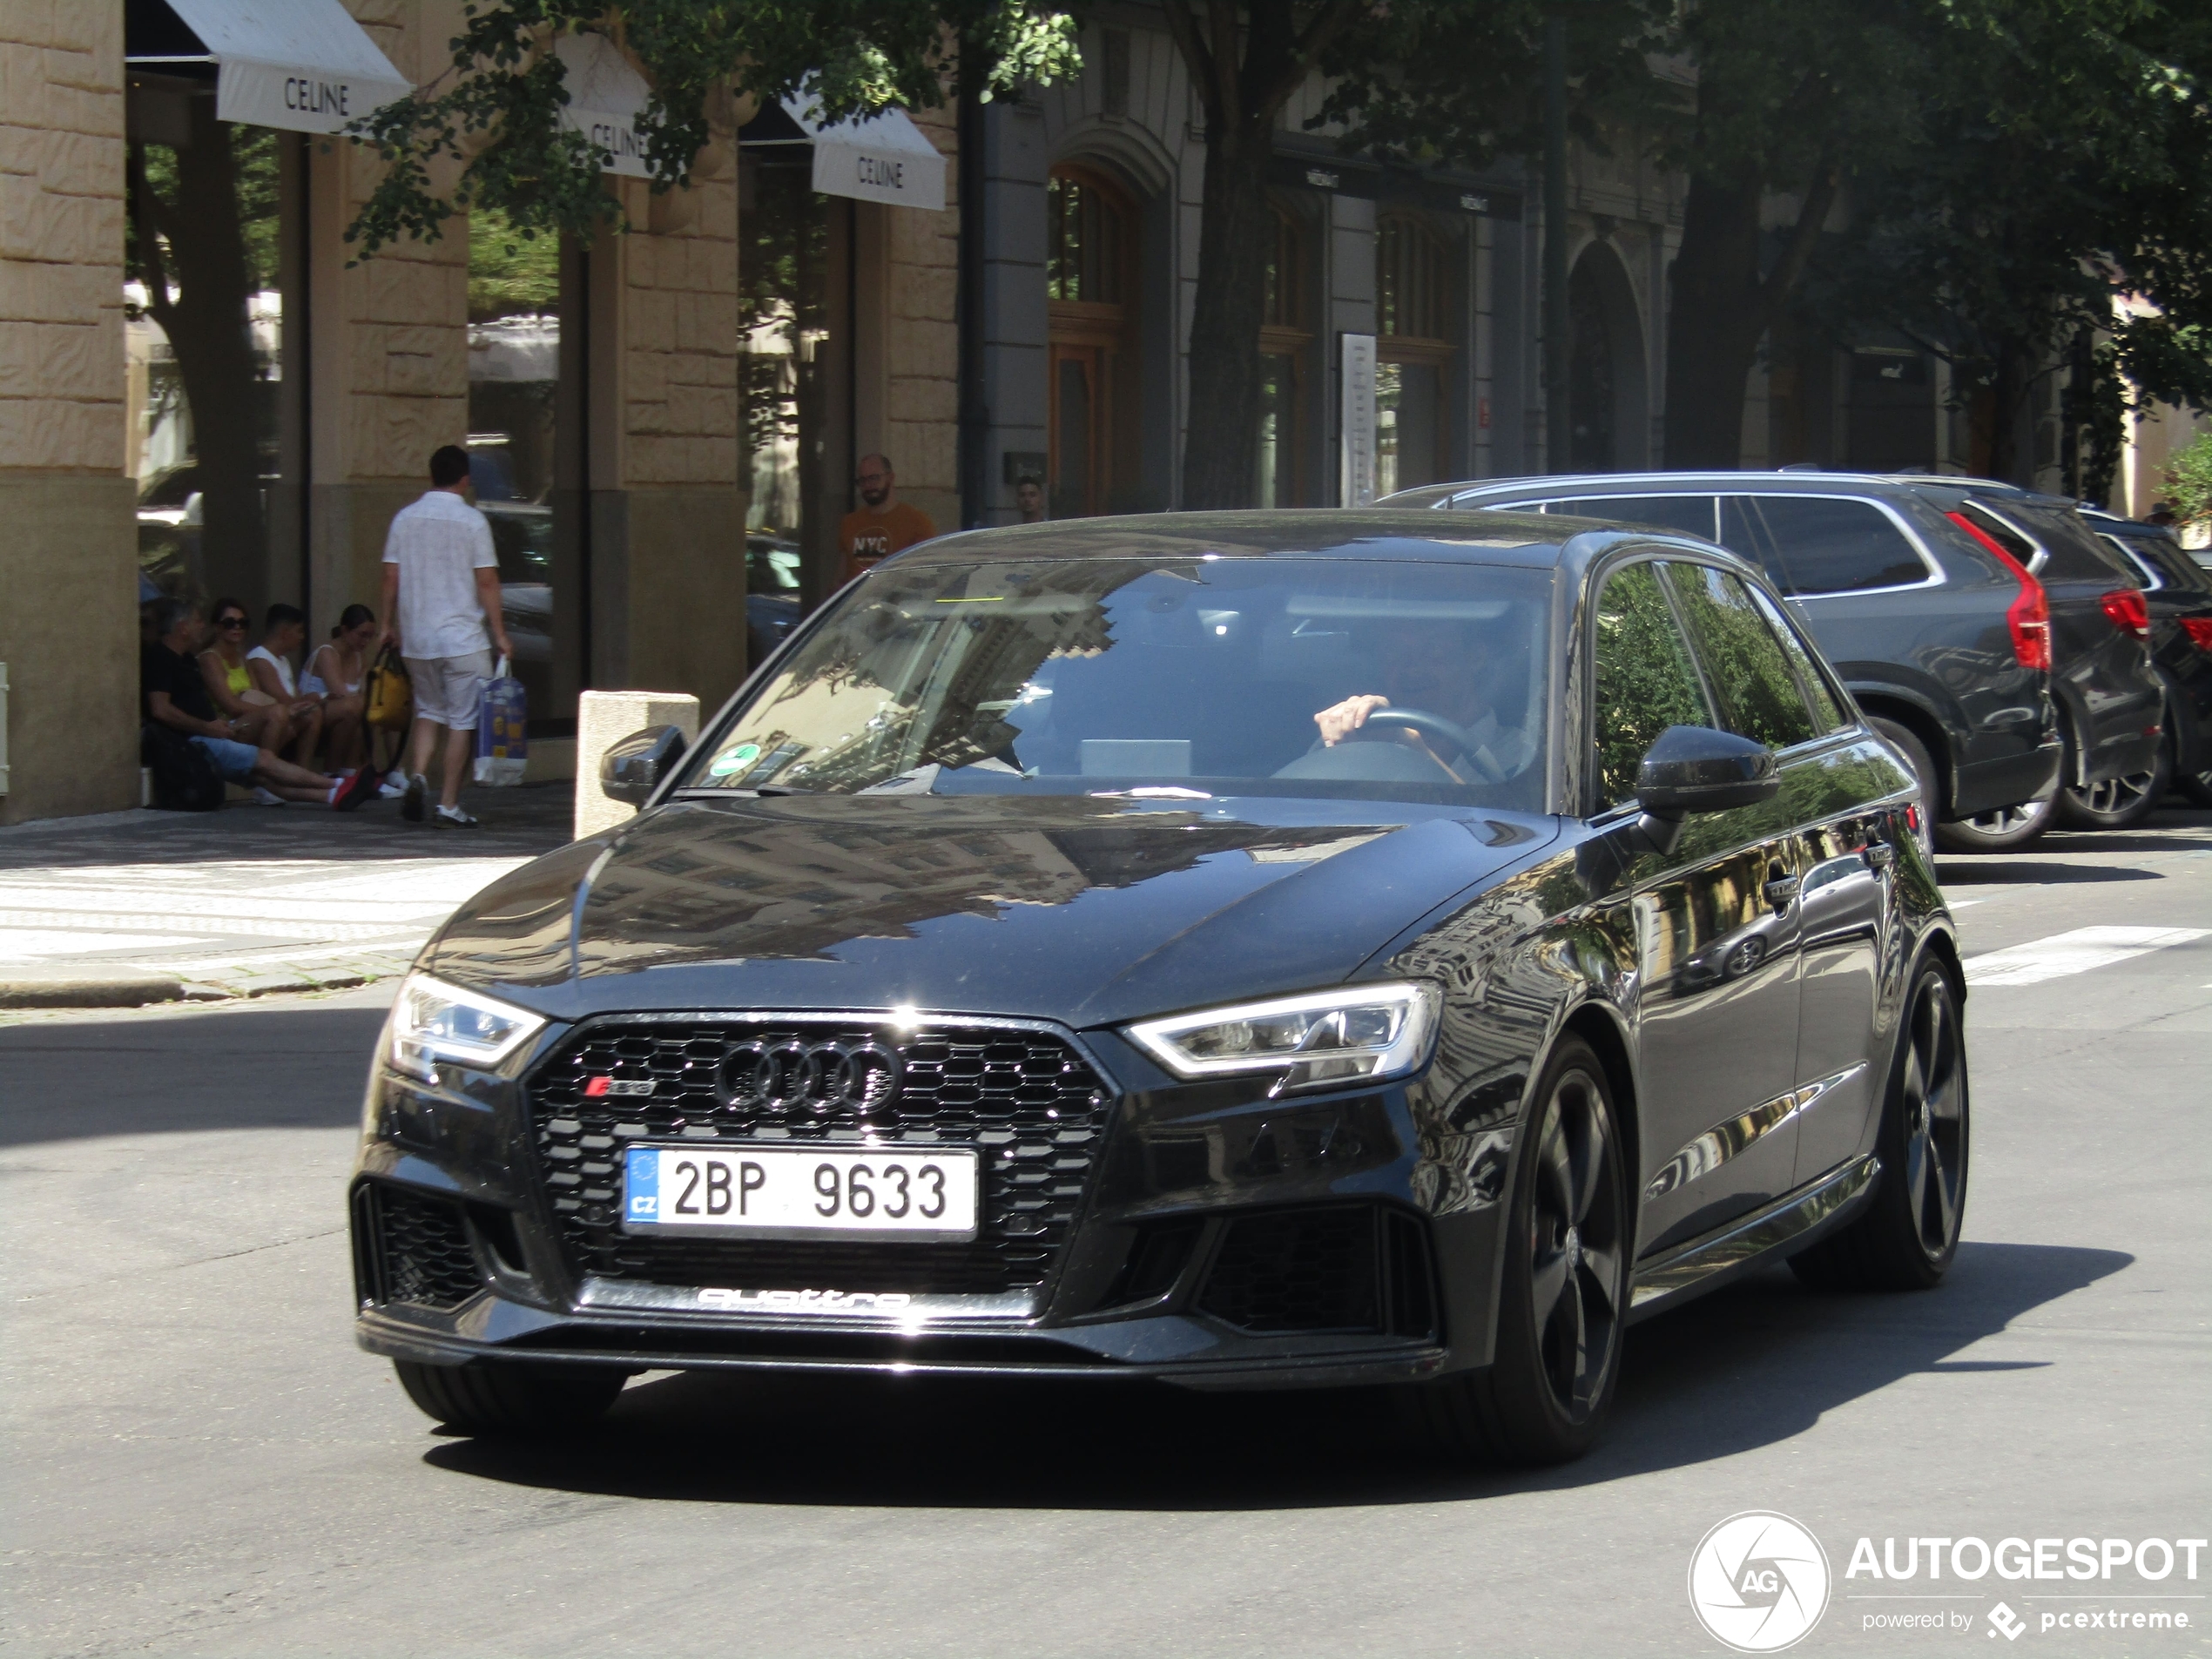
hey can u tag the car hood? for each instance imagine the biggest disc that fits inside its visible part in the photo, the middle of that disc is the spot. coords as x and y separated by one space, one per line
1085 910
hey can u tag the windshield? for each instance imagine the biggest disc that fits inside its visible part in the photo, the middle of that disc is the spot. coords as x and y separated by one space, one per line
1356 679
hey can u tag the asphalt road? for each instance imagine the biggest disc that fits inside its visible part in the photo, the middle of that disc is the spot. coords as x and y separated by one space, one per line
198 1460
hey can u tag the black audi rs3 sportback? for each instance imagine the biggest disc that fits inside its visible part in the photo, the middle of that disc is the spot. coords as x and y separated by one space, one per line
1248 950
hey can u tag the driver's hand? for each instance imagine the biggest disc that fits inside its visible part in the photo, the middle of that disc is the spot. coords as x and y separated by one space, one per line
1347 716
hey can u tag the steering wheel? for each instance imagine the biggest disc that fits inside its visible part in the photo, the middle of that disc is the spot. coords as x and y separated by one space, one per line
1435 725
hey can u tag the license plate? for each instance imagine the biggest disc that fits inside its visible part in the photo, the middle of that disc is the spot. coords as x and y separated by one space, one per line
801 1192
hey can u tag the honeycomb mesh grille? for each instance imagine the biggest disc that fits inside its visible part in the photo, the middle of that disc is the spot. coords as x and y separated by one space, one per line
426 1257
1301 1269
1025 1100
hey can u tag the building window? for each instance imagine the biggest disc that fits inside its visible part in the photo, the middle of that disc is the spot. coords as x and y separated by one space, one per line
1285 339
1415 294
1092 401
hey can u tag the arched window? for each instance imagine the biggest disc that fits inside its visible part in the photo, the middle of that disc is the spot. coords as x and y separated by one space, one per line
1414 302
1092 403
1286 339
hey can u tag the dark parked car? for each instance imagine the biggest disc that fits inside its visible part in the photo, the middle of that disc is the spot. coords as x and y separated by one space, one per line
2113 702
1246 950
1943 636
2177 605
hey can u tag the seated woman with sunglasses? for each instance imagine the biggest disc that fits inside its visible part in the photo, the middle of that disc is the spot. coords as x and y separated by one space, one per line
254 716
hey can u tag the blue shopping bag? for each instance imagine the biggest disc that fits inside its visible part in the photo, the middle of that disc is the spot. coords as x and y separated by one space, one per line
503 720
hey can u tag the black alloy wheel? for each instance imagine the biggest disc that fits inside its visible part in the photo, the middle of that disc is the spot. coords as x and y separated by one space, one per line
2195 786
511 1398
1906 1238
2121 803
1563 1300
1918 762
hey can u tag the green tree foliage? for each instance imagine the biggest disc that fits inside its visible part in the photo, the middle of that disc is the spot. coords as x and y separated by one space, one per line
2064 165
496 110
508 273
2188 480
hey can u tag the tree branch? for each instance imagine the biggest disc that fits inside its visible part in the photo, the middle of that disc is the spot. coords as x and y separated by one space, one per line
146 209
1183 24
1812 214
1221 17
1321 32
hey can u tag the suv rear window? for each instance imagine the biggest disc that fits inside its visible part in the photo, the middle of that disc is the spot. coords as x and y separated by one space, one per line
1821 543
1689 515
2072 551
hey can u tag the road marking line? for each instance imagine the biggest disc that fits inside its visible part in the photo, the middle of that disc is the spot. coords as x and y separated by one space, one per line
2073 952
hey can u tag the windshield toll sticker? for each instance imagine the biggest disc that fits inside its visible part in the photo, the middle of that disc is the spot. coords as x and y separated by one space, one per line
735 759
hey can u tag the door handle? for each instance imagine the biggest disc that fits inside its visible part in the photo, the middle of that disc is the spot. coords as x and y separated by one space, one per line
1780 892
1879 855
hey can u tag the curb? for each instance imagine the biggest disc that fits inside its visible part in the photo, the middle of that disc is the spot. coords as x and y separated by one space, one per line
128 990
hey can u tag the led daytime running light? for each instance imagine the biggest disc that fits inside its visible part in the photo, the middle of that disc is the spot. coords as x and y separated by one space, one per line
1356 1033
433 1021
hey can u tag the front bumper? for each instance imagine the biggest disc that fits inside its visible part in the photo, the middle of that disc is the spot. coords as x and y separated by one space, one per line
1215 1240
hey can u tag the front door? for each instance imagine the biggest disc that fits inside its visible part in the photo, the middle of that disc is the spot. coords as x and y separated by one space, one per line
1717 940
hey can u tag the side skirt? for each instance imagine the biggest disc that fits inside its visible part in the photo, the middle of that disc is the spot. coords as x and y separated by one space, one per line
1706 1264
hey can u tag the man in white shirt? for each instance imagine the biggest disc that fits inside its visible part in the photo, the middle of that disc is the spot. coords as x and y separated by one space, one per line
442 600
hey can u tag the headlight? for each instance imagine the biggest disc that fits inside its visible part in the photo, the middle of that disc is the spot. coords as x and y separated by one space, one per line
432 1021
1359 1033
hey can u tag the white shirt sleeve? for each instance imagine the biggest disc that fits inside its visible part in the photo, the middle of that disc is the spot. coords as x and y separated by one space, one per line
486 556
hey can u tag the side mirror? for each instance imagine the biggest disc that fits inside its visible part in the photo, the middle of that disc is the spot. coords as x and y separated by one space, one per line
632 769
1696 769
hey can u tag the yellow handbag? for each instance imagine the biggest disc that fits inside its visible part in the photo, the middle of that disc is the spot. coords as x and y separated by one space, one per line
391 695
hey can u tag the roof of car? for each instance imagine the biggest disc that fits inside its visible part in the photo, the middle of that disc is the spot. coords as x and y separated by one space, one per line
1529 540
1801 481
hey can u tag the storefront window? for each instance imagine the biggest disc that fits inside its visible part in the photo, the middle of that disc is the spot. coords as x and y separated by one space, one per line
514 384
1414 349
203 309
1285 336
792 275
1094 404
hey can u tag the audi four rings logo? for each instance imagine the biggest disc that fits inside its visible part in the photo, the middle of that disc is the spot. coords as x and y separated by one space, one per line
826 1076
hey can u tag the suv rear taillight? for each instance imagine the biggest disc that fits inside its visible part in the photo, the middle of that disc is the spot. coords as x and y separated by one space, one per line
2129 612
2199 629
2029 615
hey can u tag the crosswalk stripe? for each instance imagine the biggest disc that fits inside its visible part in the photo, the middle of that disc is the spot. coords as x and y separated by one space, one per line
2073 952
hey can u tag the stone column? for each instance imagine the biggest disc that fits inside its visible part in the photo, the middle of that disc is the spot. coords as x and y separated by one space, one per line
69 552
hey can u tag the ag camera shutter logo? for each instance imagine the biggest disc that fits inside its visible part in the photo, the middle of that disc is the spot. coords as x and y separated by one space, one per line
1758 1582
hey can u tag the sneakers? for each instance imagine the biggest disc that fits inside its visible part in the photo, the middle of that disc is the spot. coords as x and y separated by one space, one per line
355 790
453 818
411 807
262 798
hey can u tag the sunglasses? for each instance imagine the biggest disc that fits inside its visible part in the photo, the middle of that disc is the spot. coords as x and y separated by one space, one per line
230 622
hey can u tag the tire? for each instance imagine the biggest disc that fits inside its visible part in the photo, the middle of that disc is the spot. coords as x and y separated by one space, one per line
511 1398
1906 1238
2120 803
1564 1292
2195 786
2005 829
1917 762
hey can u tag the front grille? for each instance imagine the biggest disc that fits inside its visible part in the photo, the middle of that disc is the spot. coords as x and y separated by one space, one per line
1024 1099
417 1248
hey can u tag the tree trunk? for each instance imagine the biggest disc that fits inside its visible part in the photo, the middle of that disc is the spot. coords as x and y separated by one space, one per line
2010 377
1221 447
208 331
1716 315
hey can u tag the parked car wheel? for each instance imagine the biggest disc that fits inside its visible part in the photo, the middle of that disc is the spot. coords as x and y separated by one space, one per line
2195 786
1906 1238
1923 770
1564 1295
2003 830
510 1398
2119 803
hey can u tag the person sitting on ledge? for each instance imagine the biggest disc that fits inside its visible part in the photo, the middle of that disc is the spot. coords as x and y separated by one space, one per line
173 694
270 664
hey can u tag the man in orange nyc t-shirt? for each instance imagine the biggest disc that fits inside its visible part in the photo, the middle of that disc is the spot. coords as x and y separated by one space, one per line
880 526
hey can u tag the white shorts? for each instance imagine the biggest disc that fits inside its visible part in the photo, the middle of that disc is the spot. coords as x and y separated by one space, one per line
449 690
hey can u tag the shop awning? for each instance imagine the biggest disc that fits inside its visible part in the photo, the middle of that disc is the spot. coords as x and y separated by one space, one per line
884 158
304 66
606 96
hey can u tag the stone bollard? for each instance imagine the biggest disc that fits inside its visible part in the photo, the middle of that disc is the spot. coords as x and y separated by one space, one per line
604 719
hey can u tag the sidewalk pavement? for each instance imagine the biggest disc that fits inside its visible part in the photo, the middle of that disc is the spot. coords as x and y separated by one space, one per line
145 906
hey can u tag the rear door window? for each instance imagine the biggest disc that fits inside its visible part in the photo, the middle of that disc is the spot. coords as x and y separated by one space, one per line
1822 544
1746 671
